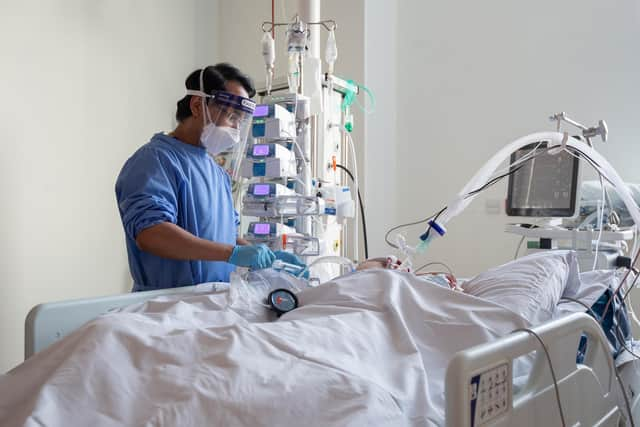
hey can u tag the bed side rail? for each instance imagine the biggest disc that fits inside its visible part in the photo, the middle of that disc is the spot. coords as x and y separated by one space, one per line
49 322
479 386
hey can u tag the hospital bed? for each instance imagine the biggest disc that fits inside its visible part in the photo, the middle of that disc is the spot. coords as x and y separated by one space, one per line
479 386
589 392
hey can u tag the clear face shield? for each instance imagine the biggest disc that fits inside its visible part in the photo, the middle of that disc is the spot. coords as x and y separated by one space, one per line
227 121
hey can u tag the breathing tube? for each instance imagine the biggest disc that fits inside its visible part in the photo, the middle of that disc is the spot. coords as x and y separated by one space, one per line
559 141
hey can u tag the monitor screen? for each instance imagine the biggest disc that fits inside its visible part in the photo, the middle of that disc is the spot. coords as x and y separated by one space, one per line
260 150
261 110
545 186
261 228
261 190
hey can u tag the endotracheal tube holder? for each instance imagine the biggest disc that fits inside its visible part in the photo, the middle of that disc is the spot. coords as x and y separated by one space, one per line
428 236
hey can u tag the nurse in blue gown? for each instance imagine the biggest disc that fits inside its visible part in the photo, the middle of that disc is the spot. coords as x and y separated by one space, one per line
175 201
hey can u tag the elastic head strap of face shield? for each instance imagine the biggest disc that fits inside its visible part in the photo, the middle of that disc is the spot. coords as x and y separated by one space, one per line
200 92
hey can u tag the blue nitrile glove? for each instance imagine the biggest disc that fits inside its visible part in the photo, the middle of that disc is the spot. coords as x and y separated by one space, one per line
256 257
290 258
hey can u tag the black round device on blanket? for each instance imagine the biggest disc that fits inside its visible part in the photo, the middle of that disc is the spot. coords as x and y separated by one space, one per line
282 301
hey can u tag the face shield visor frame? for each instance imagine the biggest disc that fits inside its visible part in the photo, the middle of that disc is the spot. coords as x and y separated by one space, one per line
230 117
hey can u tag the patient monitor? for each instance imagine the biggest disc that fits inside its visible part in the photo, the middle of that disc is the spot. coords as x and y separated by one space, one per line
545 186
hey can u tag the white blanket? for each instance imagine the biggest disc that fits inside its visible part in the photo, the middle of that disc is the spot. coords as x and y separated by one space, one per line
366 349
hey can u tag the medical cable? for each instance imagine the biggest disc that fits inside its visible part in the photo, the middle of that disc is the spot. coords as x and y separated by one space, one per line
622 282
634 248
435 216
553 373
630 287
589 309
515 256
471 193
582 156
622 342
492 181
495 179
626 298
488 184
435 263
352 146
364 222
622 387
600 225
386 236
302 158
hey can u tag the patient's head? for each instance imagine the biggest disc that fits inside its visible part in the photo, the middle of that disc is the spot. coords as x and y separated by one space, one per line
390 263
372 263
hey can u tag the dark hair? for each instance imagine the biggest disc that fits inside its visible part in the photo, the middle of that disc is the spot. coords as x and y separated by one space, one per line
213 78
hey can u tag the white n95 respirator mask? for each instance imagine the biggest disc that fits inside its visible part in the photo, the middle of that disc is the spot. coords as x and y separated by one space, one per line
218 139
226 119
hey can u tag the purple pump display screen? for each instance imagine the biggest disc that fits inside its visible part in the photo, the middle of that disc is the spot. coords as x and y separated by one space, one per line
262 229
261 111
260 150
261 190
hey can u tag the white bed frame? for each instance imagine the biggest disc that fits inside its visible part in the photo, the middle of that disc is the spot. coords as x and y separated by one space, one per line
589 392
50 322
476 379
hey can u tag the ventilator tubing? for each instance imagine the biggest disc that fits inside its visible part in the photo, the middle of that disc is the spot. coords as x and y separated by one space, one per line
462 200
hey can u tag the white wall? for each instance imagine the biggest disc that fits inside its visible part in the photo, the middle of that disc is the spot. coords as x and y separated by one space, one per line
473 76
382 192
83 84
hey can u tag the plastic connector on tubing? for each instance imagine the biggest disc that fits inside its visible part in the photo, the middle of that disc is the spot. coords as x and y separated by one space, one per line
439 228
433 226
348 125
284 242
422 246
333 163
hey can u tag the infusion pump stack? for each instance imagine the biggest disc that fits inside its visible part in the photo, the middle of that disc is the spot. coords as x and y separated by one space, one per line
544 189
291 197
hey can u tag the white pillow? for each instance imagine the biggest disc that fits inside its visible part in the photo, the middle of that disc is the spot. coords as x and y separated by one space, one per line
530 286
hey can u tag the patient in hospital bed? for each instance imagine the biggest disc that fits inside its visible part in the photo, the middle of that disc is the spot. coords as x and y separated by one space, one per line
368 348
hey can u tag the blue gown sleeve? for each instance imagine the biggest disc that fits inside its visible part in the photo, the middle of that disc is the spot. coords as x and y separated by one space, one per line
147 191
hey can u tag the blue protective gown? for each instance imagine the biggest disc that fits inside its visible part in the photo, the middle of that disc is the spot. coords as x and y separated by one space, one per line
168 180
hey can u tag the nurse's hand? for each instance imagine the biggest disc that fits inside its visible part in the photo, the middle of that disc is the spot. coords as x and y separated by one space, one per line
255 257
290 258
294 259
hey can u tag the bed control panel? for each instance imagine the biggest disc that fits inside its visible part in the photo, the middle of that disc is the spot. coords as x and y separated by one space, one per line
490 394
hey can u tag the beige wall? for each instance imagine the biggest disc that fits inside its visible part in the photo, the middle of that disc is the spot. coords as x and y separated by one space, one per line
83 84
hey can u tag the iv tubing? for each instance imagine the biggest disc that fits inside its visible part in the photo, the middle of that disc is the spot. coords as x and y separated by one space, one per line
332 259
